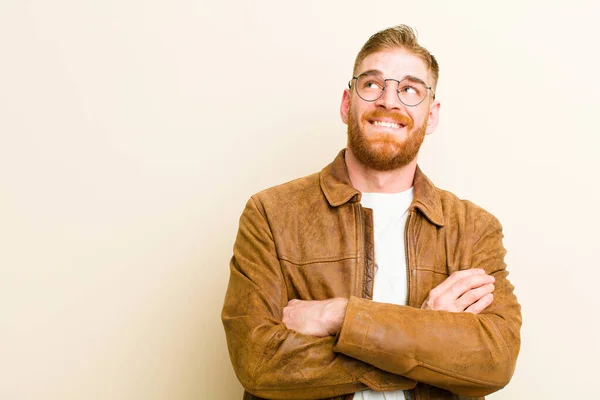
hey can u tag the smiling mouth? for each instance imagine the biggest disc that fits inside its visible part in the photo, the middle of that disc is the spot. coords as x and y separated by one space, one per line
388 124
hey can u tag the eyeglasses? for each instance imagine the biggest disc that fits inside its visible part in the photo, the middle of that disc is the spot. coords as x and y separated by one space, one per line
411 90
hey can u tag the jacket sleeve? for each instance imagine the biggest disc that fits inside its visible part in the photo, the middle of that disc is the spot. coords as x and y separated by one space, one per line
469 355
270 360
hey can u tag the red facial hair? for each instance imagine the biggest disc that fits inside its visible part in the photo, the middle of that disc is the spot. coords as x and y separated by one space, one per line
384 151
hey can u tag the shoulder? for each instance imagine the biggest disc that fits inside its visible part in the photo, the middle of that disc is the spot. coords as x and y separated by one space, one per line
462 213
304 190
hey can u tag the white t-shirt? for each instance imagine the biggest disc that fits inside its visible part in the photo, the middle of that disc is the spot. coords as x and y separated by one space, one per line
390 211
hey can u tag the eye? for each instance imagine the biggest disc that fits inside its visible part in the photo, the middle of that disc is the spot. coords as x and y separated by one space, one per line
372 84
408 89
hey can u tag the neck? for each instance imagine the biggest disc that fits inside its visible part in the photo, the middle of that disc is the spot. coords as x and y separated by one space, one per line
368 180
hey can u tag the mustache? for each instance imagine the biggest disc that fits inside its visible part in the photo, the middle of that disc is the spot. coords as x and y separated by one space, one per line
394 116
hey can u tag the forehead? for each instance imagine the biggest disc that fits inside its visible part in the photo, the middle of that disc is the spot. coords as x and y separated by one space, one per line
395 63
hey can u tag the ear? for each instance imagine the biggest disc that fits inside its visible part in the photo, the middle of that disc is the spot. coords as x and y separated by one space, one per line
345 106
434 117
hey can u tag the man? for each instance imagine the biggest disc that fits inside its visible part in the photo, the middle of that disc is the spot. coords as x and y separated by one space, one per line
366 281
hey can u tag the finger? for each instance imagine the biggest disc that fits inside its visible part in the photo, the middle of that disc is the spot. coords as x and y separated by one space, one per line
473 296
468 283
286 311
481 304
455 277
449 300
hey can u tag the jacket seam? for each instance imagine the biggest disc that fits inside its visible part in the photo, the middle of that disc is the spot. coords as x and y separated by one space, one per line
264 216
317 260
369 256
267 350
291 388
374 384
459 376
358 251
269 344
266 219
434 368
485 227
431 268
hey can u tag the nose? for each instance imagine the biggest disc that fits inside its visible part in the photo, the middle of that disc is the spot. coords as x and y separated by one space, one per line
389 98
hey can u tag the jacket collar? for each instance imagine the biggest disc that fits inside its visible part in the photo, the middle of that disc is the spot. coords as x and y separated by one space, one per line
337 187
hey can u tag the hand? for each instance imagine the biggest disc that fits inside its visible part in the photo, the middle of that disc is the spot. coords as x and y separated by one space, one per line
315 317
468 290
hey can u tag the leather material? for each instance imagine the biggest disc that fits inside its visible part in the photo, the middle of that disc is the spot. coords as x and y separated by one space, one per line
310 239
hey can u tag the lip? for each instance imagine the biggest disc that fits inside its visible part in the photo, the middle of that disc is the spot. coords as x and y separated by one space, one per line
395 121
386 120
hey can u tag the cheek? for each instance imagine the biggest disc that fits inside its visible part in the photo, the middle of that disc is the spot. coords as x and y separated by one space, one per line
358 113
418 118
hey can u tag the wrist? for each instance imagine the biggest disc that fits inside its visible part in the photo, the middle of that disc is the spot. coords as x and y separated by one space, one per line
335 311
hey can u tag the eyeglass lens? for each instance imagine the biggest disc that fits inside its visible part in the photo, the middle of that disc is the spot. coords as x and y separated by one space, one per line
410 92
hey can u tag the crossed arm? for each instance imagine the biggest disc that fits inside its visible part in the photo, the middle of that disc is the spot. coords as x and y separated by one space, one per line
278 352
468 290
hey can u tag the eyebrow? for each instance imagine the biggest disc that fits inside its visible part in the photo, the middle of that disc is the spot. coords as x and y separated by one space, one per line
410 78
371 72
415 79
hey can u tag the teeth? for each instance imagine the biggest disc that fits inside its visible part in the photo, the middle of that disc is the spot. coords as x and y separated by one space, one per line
386 124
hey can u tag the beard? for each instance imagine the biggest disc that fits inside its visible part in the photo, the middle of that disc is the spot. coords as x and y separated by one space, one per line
384 151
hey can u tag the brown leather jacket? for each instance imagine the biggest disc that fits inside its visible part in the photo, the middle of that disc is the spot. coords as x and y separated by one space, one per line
310 239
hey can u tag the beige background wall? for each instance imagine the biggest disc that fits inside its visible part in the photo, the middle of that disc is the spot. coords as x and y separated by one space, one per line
132 133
